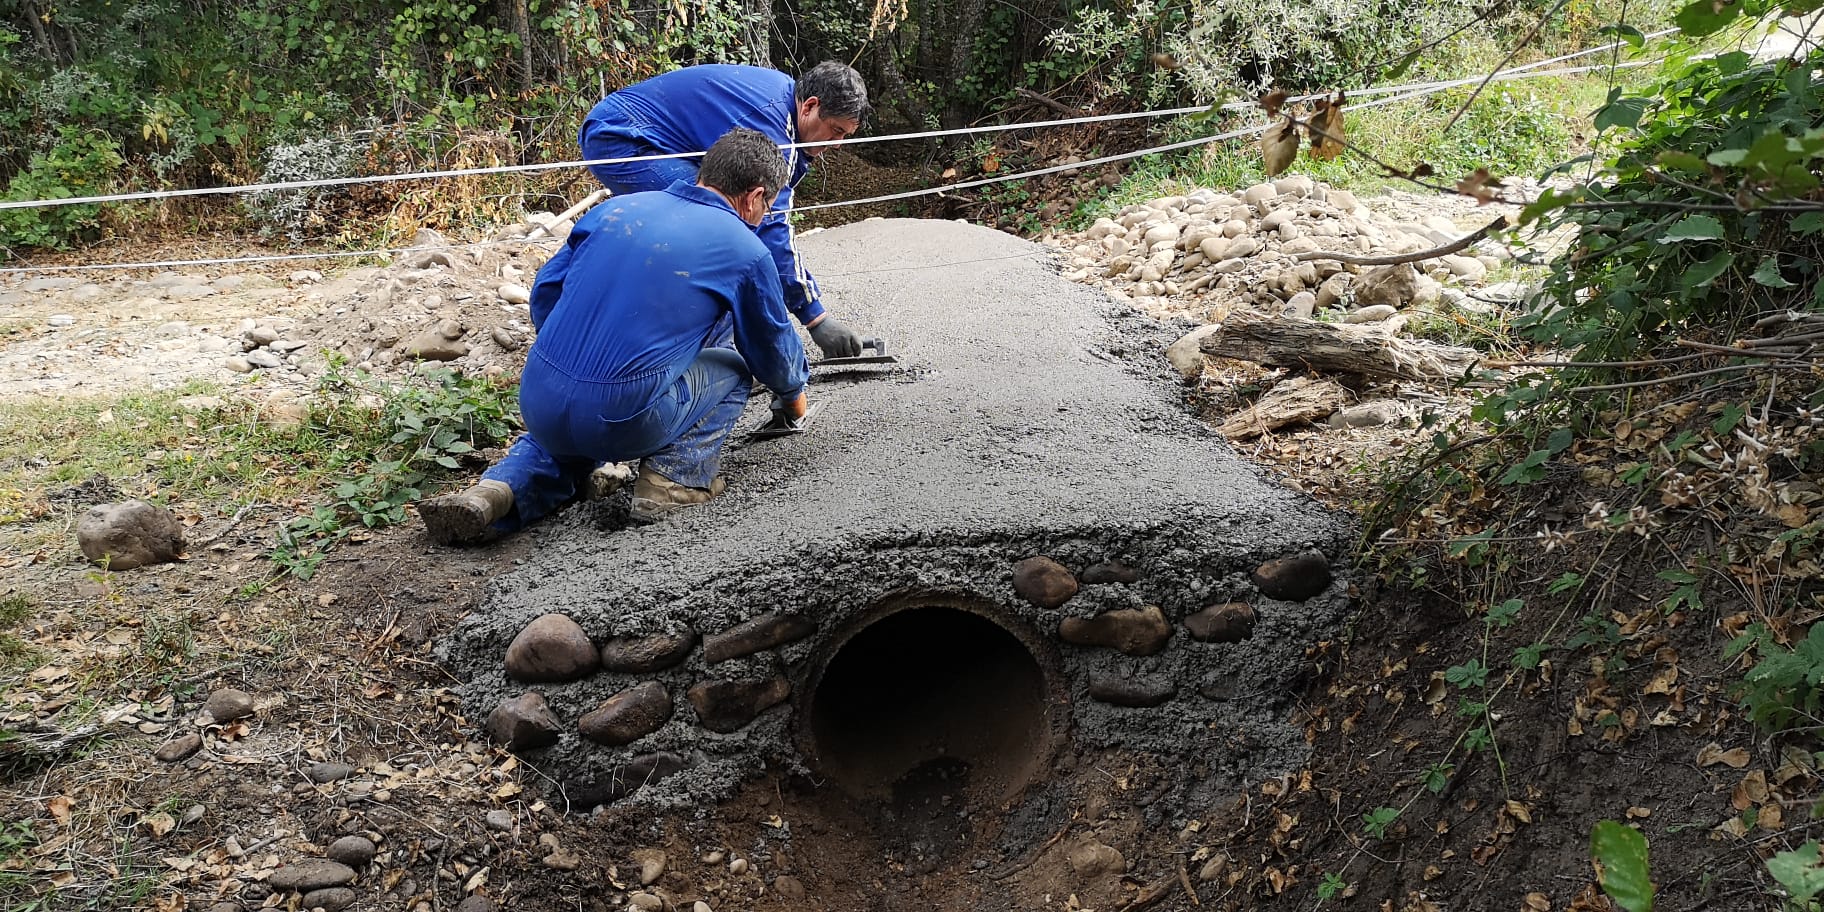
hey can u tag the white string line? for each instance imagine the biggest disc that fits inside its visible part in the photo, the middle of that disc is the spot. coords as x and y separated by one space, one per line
1428 89
547 166
1246 131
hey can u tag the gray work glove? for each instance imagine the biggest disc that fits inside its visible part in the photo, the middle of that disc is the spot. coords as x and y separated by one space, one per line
836 340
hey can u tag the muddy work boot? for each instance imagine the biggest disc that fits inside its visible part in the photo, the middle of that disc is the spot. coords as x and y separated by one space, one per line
654 495
464 517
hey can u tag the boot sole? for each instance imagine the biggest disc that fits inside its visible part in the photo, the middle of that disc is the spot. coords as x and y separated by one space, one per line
453 522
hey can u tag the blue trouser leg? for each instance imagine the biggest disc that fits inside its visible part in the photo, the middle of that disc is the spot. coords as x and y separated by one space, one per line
540 481
719 382
635 177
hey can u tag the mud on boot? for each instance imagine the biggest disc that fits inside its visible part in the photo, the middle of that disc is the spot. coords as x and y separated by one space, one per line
465 517
654 495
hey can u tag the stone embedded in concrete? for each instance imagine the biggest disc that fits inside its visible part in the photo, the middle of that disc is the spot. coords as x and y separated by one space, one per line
645 655
1227 623
1110 572
1294 578
727 706
1043 582
229 704
1117 690
125 536
524 722
1134 631
749 637
628 716
551 648
311 874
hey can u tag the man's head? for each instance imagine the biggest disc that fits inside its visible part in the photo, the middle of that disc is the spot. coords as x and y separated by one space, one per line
832 103
746 167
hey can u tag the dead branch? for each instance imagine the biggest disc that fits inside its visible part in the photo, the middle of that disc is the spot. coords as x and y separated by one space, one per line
1050 102
1674 378
1152 894
1397 258
1184 879
1338 348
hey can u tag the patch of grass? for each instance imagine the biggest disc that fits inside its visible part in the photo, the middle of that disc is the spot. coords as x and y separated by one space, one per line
14 652
365 449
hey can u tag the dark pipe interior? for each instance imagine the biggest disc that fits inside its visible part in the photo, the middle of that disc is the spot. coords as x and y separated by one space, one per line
930 698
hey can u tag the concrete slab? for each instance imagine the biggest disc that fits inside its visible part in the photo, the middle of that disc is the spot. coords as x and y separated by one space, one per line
1031 416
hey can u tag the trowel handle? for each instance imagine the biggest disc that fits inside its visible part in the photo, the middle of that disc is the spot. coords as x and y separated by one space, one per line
877 343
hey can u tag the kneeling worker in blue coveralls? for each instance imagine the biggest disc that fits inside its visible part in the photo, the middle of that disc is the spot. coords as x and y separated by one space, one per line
686 110
636 316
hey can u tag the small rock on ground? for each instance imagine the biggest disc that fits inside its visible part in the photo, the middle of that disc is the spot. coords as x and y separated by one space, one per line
476 904
179 748
789 888
129 535
652 865
646 902
334 899
500 819
354 851
328 771
311 874
229 704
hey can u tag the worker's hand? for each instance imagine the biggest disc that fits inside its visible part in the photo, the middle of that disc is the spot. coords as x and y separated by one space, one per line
836 340
796 407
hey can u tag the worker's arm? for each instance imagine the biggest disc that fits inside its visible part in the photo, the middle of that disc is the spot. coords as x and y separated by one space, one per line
802 296
549 285
764 334
799 289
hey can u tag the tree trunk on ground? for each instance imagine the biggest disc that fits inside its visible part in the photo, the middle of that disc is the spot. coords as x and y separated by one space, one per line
1295 401
1336 348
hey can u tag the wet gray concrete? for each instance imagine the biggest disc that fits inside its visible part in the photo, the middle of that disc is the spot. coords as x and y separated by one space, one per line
1031 416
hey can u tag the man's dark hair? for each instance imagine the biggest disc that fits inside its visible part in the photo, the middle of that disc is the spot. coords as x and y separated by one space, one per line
742 160
838 89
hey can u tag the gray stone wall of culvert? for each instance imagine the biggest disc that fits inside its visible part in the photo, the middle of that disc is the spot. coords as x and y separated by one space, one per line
1030 457
1172 658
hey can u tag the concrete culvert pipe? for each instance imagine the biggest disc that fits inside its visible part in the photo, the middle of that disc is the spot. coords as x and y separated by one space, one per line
932 698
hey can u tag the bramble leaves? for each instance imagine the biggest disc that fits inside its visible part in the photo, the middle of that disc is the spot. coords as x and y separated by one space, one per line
1620 855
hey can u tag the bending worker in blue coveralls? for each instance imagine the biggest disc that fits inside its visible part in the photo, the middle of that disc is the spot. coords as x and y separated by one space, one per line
686 110
636 315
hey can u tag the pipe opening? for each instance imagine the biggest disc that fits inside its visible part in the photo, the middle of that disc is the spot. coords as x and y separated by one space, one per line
931 706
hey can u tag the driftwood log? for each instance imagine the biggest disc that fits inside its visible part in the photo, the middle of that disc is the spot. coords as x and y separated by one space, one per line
1278 341
1295 401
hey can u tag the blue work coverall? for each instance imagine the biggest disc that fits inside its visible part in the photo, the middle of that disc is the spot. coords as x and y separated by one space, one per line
687 110
635 317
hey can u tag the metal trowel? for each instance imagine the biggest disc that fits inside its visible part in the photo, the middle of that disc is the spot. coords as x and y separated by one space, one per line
880 356
783 425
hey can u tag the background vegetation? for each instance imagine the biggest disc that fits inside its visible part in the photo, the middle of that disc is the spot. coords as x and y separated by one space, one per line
100 95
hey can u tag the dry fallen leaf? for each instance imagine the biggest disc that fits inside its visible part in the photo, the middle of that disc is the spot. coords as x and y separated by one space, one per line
1326 128
1536 902
159 823
1519 811
1639 813
1279 146
1273 101
60 809
1713 753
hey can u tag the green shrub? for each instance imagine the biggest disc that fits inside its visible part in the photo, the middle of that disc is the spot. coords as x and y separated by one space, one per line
82 163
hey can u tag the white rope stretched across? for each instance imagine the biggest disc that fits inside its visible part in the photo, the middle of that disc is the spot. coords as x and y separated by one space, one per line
1416 90
321 183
